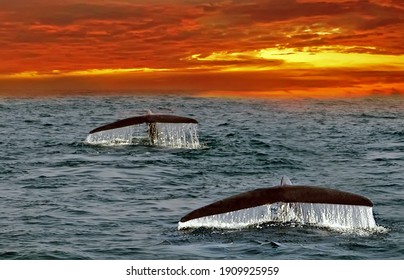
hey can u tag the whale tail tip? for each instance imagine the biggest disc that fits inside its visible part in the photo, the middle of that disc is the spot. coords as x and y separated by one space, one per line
285 181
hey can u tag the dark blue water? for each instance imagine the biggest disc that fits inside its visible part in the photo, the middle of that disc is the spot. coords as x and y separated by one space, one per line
64 199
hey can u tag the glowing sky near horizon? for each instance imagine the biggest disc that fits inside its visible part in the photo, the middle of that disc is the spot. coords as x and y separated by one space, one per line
266 46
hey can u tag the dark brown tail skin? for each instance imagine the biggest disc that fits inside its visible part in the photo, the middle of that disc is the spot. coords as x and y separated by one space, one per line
254 198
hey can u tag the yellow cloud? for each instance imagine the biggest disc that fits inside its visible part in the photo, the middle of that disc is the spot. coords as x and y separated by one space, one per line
333 56
319 57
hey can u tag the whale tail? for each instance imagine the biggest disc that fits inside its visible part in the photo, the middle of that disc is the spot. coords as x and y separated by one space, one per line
162 129
148 118
285 203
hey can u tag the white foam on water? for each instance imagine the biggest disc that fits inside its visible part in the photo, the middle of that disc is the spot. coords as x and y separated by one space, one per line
334 216
173 135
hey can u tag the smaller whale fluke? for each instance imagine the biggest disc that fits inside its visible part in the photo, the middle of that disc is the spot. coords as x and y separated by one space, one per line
162 130
284 203
149 118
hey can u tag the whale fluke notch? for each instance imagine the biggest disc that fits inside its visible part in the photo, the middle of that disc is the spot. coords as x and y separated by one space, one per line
149 118
288 193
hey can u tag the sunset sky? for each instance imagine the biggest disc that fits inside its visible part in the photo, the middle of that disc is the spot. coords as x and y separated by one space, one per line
226 47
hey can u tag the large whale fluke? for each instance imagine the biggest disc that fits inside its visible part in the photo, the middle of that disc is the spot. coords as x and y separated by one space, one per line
258 197
149 119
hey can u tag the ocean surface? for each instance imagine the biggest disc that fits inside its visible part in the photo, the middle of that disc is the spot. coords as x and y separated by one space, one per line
62 198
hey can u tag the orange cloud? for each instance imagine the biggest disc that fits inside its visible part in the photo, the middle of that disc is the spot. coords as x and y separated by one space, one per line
254 46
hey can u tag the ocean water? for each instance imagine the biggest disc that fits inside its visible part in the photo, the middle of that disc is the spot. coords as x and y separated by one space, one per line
62 198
